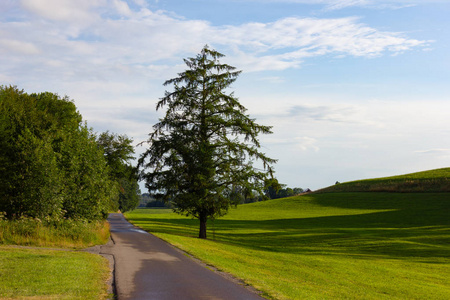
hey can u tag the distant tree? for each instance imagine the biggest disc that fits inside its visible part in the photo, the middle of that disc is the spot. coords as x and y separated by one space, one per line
297 190
201 153
272 187
157 203
145 198
118 151
283 193
275 190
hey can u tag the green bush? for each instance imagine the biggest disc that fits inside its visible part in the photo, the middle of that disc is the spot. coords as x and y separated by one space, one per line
50 162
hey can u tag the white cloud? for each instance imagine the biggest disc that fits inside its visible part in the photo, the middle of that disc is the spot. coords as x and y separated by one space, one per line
373 4
122 8
20 47
145 37
63 10
340 4
440 152
287 42
305 143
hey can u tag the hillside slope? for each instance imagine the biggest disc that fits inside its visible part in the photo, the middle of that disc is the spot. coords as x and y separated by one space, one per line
437 180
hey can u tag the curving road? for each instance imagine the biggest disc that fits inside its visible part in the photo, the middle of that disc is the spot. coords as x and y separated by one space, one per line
148 268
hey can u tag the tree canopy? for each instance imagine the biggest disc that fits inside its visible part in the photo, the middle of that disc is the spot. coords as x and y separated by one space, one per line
118 151
50 163
201 154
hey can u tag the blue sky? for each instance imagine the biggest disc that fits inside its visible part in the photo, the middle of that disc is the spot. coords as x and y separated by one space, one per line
353 88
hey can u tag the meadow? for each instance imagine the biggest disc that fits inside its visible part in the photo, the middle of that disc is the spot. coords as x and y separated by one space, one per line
325 245
29 271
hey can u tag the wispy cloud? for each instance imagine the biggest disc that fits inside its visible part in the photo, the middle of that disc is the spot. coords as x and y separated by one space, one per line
112 36
442 151
340 4
328 113
371 4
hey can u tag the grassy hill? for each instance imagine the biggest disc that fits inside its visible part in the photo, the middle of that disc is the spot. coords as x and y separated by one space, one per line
437 180
346 245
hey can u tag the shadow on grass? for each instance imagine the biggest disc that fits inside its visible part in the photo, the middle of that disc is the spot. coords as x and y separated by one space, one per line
413 226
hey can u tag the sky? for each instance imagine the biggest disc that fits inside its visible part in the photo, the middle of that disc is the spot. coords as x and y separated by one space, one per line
354 89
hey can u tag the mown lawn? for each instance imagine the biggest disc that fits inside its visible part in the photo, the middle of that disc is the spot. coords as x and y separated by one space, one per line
325 246
51 274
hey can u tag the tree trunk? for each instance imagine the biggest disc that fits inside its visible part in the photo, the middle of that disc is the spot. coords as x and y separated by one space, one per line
202 233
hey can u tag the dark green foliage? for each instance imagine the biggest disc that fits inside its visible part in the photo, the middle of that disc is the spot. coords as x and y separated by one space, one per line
88 190
118 152
50 165
202 152
275 190
29 175
157 203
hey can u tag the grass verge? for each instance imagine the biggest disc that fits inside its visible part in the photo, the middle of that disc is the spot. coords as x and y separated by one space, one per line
65 233
51 274
325 246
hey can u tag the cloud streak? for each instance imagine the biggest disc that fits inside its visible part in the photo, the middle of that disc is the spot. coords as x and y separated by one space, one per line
342 4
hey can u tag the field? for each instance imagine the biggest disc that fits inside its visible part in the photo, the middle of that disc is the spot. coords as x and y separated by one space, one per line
355 245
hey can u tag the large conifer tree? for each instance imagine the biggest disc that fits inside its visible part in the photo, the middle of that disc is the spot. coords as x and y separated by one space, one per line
201 154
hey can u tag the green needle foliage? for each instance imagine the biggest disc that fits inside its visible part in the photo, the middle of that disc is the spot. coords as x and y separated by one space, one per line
201 153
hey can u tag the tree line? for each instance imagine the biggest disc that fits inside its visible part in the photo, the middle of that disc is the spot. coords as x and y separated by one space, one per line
52 165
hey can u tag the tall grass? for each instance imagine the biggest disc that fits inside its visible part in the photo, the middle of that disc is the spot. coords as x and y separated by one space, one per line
65 233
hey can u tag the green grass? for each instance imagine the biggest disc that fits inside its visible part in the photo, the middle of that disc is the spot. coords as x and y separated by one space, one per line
44 274
50 274
437 180
325 246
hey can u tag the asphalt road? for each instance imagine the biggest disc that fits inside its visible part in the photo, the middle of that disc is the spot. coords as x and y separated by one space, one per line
148 268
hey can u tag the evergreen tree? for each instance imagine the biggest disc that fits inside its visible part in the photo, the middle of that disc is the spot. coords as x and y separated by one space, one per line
201 154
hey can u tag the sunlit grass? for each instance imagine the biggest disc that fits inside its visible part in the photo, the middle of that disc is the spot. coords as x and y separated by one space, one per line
46 274
50 274
325 246
65 233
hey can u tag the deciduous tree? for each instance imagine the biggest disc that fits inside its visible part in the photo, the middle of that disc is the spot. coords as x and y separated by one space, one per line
50 163
118 151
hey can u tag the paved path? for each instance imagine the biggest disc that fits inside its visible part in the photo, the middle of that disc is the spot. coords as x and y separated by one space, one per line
148 268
